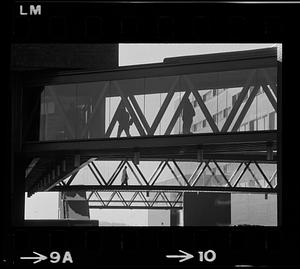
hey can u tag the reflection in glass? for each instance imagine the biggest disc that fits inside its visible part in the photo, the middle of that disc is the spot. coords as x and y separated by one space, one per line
230 101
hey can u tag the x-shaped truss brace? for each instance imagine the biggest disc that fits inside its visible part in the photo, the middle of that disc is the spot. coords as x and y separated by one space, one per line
144 128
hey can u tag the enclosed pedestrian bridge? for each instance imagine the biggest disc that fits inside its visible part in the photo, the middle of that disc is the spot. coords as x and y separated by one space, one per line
210 121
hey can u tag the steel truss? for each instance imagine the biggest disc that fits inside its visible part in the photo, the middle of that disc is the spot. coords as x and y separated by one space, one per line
144 128
52 162
147 193
213 177
54 165
135 200
151 193
256 80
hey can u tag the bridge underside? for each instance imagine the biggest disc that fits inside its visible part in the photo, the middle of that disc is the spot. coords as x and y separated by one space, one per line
52 163
96 125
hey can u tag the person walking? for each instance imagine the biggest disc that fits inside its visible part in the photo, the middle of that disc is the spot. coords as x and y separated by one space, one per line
124 121
124 180
187 116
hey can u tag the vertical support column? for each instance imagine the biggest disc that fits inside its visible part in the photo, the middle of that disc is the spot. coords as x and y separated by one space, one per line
17 166
269 152
18 190
279 146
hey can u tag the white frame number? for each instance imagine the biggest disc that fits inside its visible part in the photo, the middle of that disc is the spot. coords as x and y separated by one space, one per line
208 256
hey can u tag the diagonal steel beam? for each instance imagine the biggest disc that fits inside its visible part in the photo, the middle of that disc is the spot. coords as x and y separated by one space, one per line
163 194
155 171
72 178
141 174
111 197
263 174
270 97
205 111
202 171
213 175
144 198
116 173
269 81
98 172
90 195
164 107
95 175
241 175
113 121
245 109
202 106
99 197
235 172
223 175
183 176
135 175
195 173
177 113
238 103
60 178
161 112
175 176
31 166
158 174
122 198
155 198
130 110
255 178
273 177
177 198
140 113
133 198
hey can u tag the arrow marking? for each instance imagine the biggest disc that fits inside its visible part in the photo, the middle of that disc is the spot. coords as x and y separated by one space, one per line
185 257
38 259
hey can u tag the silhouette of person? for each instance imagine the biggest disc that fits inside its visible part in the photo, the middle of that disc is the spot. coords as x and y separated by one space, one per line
124 121
187 116
124 180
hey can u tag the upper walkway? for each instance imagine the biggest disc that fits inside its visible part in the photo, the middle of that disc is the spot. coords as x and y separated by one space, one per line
220 107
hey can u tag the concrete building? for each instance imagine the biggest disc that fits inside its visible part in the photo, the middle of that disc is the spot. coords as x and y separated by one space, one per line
252 209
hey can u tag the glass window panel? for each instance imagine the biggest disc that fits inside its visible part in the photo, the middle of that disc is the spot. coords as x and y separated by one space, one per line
91 105
94 110
157 90
272 121
252 125
58 113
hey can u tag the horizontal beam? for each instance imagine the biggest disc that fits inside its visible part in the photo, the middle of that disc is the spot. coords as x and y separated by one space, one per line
137 207
163 188
127 201
211 63
177 154
211 140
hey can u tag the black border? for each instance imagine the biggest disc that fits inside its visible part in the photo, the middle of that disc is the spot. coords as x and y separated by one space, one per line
218 22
